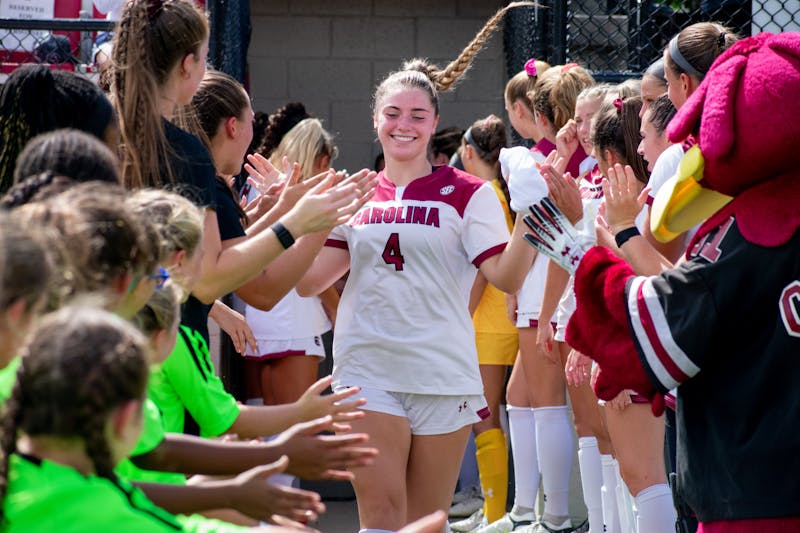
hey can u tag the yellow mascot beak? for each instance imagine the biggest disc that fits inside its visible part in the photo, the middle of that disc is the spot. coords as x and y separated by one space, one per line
682 202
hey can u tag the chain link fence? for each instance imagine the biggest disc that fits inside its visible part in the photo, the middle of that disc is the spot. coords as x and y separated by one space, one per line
74 43
64 43
616 39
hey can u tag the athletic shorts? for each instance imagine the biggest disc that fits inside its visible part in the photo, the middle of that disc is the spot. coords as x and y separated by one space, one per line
275 349
530 320
428 414
497 348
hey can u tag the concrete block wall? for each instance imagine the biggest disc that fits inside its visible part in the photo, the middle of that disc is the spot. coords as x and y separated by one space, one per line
330 54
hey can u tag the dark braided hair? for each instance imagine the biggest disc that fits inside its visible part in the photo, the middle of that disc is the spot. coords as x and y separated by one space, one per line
94 236
81 364
36 100
35 188
68 152
278 125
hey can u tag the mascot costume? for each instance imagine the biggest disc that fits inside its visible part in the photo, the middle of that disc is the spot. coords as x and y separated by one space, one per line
723 327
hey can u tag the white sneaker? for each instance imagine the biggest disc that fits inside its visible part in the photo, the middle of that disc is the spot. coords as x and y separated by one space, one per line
469 524
547 527
466 502
507 524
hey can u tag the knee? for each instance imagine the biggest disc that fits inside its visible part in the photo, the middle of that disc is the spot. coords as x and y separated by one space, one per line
638 476
385 512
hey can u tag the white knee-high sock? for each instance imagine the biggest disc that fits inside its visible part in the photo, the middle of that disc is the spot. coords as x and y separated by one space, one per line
591 481
522 432
656 512
555 446
609 495
625 503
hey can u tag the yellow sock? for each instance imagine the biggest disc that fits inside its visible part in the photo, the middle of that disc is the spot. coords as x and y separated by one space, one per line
492 457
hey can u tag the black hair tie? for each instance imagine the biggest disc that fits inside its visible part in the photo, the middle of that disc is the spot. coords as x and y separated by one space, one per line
721 39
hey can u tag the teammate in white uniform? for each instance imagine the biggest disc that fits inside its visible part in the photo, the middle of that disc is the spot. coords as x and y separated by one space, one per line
289 334
404 333
553 100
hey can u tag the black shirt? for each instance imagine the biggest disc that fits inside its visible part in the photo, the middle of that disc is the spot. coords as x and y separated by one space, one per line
729 318
195 178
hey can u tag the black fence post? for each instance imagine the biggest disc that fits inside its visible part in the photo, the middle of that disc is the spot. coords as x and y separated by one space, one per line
559 55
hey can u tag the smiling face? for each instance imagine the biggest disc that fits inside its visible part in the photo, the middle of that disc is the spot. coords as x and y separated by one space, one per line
652 143
405 120
585 108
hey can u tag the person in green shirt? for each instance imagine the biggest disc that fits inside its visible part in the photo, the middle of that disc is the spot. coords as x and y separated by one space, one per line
75 412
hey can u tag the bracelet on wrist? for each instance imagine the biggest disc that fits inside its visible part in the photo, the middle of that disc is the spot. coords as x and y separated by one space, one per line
284 236
621 237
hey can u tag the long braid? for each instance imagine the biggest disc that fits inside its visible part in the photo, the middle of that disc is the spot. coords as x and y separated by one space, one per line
8 437
134 89
23 192
445 78
419 74
81 364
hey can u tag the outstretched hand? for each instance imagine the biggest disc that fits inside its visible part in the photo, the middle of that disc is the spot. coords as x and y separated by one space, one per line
563 192
312 404
330 203
315 456
257 498
624 197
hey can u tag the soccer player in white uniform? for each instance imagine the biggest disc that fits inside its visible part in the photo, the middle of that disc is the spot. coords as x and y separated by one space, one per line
404 333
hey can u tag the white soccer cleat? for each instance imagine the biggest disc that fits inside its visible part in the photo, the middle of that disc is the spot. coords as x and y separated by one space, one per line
469 524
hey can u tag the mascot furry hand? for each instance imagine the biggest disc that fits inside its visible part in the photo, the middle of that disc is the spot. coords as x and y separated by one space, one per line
651 334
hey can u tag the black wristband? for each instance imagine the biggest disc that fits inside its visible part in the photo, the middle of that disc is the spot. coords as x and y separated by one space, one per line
282 234
622 236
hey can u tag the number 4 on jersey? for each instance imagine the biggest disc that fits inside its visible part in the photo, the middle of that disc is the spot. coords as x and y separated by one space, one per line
391 252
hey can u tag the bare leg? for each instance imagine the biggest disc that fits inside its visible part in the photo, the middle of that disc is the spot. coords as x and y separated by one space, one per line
433 465
381 487
290 377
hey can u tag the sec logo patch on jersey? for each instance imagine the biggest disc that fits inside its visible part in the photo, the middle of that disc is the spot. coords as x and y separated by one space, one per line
447 189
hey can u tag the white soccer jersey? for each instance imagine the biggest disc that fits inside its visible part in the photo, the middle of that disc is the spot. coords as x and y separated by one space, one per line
403 323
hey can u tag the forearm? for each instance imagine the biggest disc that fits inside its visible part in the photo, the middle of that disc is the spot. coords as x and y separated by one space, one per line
265 220
643 257
188 499
236 265
283 274
265 421
556 281
508 270
194 455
